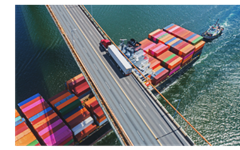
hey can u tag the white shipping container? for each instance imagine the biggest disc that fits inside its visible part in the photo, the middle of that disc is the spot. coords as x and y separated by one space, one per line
81 126
120 59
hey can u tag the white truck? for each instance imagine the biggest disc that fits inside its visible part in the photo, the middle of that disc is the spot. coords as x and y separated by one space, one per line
121 61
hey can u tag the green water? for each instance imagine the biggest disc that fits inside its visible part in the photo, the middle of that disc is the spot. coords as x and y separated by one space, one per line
209 91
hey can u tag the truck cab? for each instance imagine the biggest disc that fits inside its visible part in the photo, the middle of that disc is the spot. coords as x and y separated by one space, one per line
105 43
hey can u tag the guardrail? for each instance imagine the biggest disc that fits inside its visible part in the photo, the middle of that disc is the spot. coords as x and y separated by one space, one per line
107 110
104 34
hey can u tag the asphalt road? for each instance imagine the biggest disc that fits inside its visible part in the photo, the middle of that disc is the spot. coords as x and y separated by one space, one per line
131 104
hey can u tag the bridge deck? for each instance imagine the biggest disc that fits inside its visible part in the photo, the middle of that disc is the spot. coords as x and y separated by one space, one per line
134 108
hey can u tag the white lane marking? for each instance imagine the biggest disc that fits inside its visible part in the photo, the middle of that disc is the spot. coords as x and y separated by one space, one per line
162 128
122 108
140 135
107 85
142 102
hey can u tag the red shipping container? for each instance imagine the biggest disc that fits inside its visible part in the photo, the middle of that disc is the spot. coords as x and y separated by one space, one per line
184 33
86 132
31 102
180 32
176 32
81 89
36 109
19 126
160 77
178 47
23 128
94 105
187 35
158 32
153 32
168 29
76 82
42 117
45 124
186 50
154 64
59 98
98 112
79 119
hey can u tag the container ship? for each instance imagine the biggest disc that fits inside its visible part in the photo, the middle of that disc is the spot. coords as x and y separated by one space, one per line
71 117
162 57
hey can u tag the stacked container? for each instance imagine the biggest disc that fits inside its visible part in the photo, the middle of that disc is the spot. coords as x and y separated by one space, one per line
46 122
79 86
146 44
160 74
158 49
80 122
170 61
183 49
23 135
188 36
156 35
93 106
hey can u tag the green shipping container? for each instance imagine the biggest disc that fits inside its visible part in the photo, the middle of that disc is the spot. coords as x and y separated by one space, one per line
33 143
194 42
70 107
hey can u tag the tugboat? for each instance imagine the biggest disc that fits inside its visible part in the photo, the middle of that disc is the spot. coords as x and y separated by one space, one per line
213 32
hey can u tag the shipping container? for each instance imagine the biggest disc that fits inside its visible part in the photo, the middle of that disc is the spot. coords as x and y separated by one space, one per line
68 141
72 112
59 97
82 112
42 124
174 70
58 137
150 35
81 126
155 63
155 37
27 139
51 131
39 118
86 132
31 102
70 107
98 112
199 46
67 102
29 99
78 119
64 100
120 60
32 144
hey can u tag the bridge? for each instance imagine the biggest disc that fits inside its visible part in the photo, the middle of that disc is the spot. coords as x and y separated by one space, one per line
135 115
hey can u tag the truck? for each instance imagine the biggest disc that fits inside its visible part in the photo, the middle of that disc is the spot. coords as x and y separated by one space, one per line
121 61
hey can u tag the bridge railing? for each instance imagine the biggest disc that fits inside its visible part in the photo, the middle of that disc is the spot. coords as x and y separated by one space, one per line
110 115
104 34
